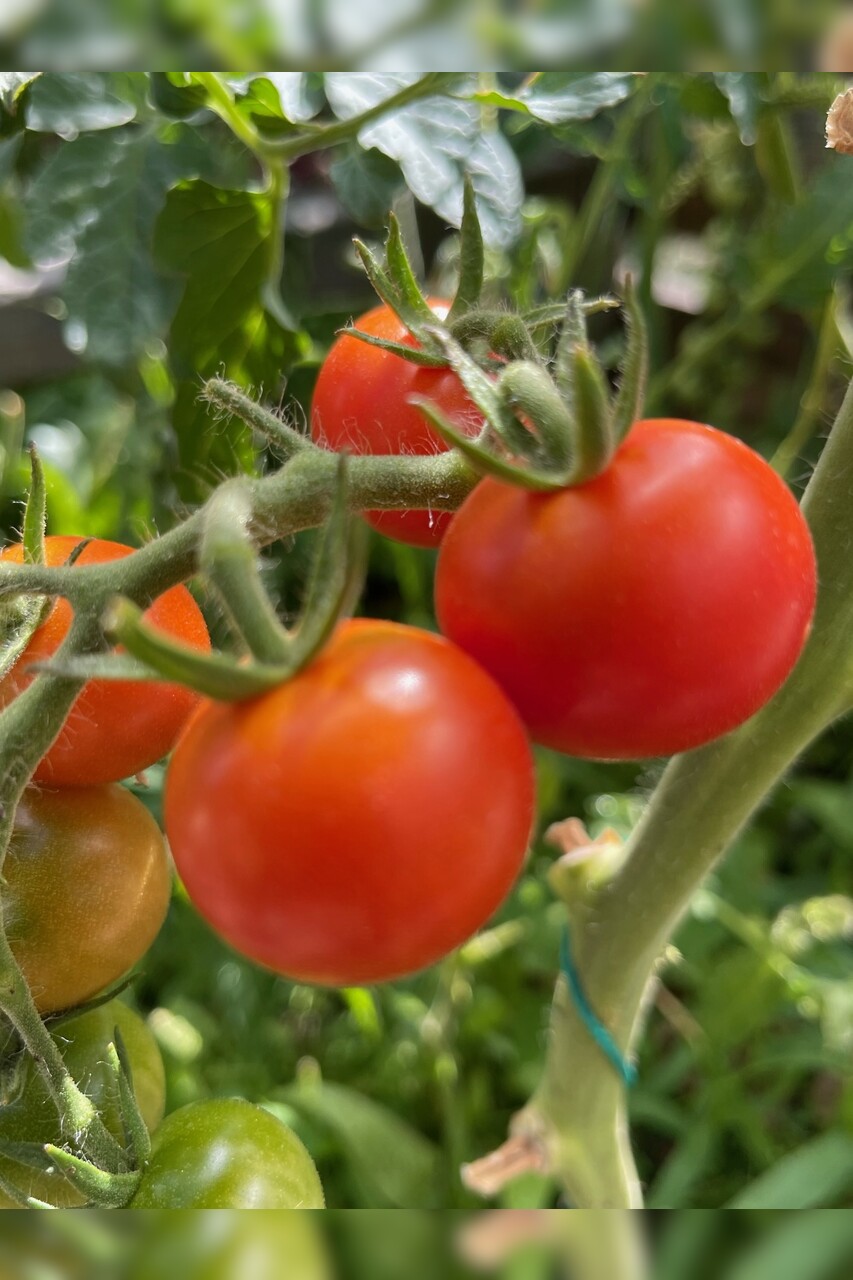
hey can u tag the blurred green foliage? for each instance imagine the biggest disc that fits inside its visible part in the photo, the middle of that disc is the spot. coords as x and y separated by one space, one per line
372 1244
144 244
474 33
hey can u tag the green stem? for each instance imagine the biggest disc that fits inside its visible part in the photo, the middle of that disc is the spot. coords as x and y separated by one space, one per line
702 802
603 1246
230 562
221 100
78 1118
331 135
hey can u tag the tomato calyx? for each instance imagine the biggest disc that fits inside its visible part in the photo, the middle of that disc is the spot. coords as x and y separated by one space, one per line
548 425
111 1187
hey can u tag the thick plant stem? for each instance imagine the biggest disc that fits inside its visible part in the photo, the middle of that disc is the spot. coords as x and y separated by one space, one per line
602 1246
702 802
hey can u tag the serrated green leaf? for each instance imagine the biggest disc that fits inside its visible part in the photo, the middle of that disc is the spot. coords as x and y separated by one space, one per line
293 96
436 140
96 201
391 1163
557 97
223 243
82 101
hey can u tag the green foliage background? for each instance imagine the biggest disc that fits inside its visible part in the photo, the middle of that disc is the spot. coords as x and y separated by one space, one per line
146 243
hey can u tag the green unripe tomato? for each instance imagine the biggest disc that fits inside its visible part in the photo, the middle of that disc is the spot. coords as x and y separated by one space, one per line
225 1244
30 1114
225 1153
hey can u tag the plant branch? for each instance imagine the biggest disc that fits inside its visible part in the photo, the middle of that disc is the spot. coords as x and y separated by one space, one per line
330 135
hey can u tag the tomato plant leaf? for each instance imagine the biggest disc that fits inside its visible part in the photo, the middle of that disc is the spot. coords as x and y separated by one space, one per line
743 94
367 183
557 97
436 140
223 243
77 102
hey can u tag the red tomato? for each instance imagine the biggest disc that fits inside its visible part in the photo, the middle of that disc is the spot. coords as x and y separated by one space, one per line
645 612
362 819
116 728
361 404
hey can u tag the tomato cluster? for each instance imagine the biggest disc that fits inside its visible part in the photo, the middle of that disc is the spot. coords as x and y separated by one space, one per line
362 819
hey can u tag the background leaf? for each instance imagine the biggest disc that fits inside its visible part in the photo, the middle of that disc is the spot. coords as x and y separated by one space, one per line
436 140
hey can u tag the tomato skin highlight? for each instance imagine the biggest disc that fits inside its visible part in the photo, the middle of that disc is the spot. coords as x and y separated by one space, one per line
29 1114
88 884
646 612
361 820
361 404
116 728
225 1153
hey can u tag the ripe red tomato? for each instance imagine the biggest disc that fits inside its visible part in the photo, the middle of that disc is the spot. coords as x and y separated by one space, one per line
361 404
645 612
87 887
118 727
361 820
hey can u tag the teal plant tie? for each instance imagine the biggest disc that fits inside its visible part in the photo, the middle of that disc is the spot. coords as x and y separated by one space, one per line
596 1028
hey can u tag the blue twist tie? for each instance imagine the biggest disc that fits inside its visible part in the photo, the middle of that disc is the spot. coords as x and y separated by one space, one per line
596 1028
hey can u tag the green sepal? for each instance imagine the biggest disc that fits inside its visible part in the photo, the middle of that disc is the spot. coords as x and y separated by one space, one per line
402 276
411 316
108 1190
35 512
530 389
336 577
135 1128
415 355
485 392
482 459
214 674
572 335
77 1010
471 257
511 338
628 405
593 435
98 666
